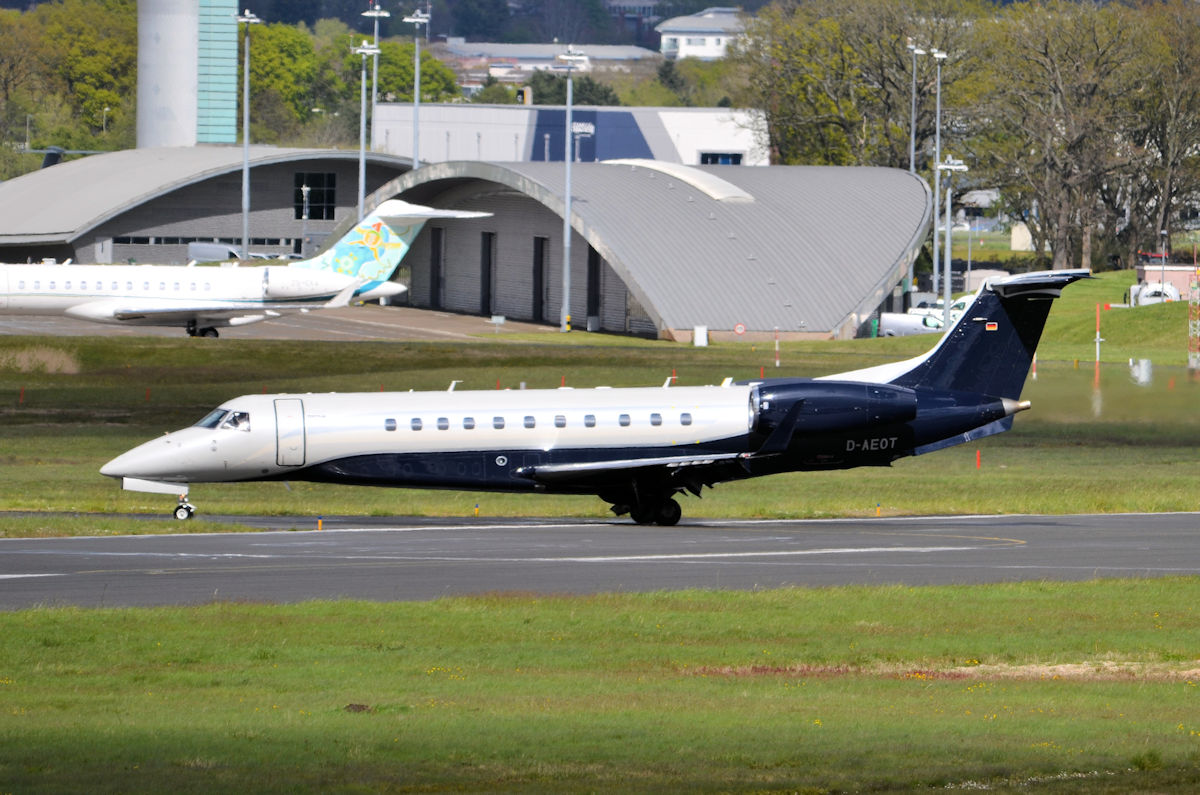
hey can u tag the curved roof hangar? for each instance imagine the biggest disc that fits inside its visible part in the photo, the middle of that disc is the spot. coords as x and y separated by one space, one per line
794 248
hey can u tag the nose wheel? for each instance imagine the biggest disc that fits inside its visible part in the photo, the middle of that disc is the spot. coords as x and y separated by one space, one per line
184 510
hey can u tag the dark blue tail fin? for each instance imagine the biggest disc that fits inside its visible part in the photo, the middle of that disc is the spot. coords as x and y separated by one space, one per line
990 348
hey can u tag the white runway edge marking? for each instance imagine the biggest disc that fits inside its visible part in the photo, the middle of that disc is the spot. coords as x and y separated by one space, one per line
771 554
24 576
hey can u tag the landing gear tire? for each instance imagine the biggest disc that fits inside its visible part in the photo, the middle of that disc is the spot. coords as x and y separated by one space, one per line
665 513
208 331
668 513
184 511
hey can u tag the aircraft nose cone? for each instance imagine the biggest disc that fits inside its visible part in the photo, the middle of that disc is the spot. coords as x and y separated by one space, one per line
157 459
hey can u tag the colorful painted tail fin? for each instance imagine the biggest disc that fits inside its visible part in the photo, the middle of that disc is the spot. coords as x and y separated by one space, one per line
374 247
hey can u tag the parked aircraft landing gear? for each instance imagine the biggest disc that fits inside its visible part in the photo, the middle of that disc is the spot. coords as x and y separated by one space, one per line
201 331
184 510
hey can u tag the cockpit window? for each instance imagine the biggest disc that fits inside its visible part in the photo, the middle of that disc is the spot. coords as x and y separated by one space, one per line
212 419
237 421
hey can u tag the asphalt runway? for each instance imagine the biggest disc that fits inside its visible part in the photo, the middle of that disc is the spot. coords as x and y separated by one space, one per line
416 559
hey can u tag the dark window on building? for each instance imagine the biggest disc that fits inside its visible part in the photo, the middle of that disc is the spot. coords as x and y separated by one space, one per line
322 195
720 158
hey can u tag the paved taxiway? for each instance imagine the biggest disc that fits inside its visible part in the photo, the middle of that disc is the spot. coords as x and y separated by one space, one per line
406 559
348 324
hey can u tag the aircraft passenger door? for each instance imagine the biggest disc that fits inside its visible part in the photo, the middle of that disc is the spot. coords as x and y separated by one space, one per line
289 432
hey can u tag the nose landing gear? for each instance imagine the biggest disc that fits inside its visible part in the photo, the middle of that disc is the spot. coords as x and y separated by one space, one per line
184 510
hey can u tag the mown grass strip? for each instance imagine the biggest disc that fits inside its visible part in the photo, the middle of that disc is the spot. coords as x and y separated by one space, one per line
858 688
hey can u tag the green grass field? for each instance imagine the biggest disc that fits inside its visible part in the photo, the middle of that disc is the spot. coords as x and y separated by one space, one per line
1088 687
1039 687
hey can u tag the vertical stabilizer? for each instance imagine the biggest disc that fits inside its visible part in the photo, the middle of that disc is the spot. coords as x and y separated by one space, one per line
374 247
989 350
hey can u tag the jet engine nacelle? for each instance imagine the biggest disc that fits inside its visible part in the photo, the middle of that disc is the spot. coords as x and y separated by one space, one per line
813 407
301 283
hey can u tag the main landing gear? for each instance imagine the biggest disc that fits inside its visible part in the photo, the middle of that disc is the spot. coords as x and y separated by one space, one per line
184 510
665 512
201 331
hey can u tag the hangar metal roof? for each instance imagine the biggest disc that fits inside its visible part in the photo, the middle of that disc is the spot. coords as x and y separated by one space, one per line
59 203
798 248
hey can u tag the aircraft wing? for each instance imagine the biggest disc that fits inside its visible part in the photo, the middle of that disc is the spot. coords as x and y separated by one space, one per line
229 312
591 471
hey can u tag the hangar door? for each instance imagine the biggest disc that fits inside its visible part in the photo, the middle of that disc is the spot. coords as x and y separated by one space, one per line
289 432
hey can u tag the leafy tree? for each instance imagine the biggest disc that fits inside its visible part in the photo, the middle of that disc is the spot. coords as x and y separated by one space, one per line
835 78
495 93
1064 77
438 81
284 68
551 89
90 52
1166 131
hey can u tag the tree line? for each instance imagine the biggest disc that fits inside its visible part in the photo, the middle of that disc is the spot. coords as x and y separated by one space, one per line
1085 115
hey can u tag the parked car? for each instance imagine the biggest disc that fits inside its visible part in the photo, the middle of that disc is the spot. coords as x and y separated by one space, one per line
903 324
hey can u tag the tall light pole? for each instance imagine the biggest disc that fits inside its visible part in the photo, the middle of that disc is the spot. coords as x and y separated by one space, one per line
939 56
912 114
304 190
950 166
570 58
248 19
417 19
365 50
912 160
375 12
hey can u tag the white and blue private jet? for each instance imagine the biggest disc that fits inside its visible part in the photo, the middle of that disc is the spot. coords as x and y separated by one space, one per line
635 448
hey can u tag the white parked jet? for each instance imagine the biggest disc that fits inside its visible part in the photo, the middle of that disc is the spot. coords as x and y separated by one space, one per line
203 299
635 448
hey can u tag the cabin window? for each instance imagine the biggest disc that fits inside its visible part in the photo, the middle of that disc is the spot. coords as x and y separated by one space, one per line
443 424
416 423
37 285
162 285
115 286
212 419
623 420
66 285
389 424
560 421
176 286
237 421
529 421
656 419
207 286
21 285
145 285
51 285
128 286
685 418
589 420
498 423
82 285
469 423
193 287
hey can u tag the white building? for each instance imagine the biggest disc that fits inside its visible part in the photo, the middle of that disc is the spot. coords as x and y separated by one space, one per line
705 35
521 133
